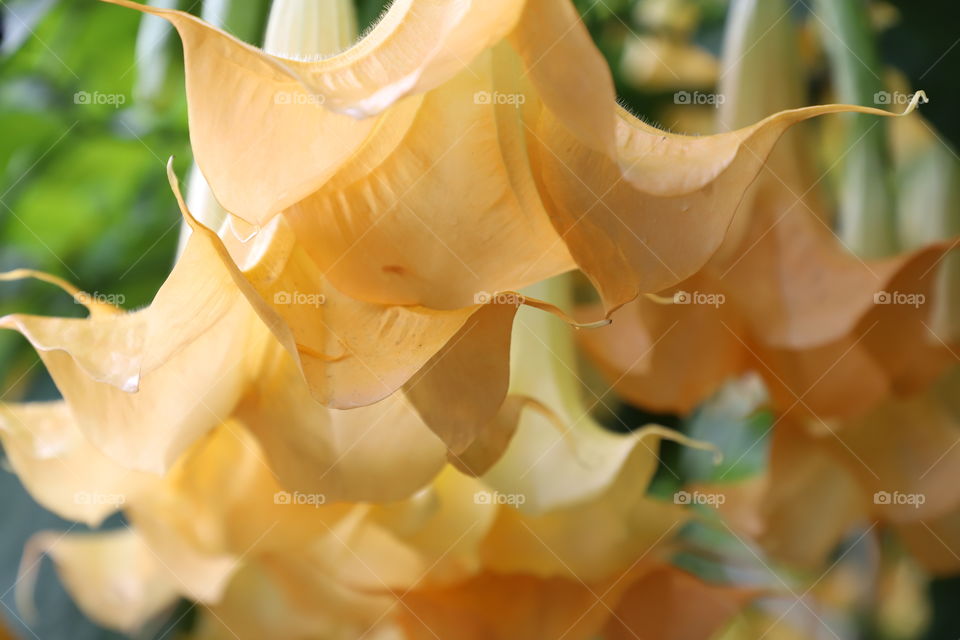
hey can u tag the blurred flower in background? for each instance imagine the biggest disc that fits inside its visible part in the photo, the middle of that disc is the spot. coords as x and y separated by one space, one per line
336 417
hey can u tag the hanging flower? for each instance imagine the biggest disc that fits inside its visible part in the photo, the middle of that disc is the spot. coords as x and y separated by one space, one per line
832 334
582 551
353 159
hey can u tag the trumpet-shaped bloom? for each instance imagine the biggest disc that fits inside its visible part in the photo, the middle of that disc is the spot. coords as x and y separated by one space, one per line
144 385
831 334
361 151
890 467
221 527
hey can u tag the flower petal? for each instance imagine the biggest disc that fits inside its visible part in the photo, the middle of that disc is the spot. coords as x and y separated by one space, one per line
495 606
653 215
338 341
60 468
670 604
416 46
119 372
377 453
114 577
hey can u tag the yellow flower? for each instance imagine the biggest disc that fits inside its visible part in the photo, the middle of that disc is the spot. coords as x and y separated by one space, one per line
559 527
441 160
366 177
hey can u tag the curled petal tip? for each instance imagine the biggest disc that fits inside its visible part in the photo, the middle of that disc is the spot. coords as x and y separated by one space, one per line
920 97
671 434
79 296
553 309
597 324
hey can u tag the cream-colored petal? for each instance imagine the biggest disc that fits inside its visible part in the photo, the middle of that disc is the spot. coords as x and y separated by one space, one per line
114 577
294 597
222 498
60 468
561 456
143 386
441 529
573 492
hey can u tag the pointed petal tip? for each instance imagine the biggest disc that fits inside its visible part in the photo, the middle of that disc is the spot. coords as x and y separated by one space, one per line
92 304
667 433
563 315
178 194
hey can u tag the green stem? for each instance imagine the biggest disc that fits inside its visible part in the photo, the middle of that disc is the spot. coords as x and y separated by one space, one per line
867 221
760 71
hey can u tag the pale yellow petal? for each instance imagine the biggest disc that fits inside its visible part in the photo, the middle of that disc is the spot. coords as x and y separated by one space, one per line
60 468
114 577
144 385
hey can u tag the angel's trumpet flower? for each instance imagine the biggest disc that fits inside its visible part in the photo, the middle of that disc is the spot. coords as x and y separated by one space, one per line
831 334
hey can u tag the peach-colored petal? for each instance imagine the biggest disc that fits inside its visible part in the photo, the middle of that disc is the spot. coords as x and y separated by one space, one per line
378 453
935 543
418 45
496 606
339 342
669 604
811 500
905 454
669 357
655 214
